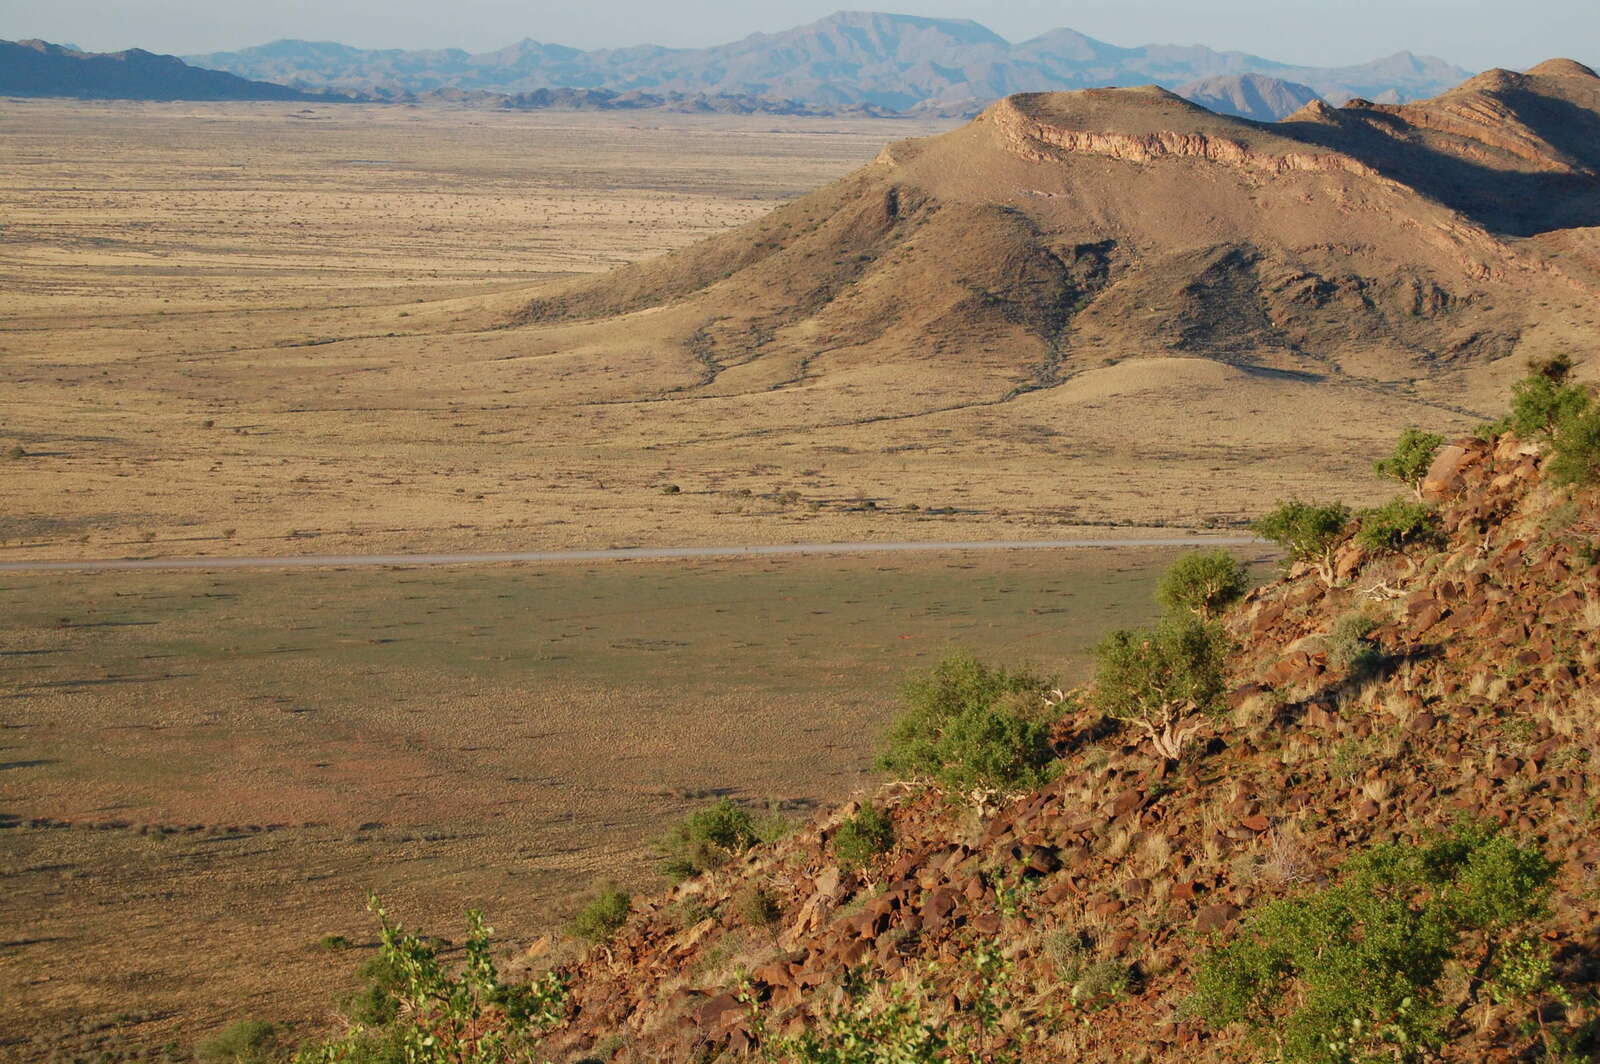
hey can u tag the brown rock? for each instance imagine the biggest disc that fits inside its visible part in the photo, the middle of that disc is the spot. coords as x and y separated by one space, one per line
719 1011
987 924
1215 917
1444 478
1127 801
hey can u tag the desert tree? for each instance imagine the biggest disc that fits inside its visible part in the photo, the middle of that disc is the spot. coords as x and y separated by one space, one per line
1309 532
1160 680
1203 583
1411 458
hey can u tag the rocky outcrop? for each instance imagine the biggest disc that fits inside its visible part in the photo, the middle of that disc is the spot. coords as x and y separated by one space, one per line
1037 140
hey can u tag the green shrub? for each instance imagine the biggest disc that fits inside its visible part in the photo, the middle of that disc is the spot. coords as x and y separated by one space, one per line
1154 677
1308 532
246 1042
708 839
604 916
378 1000
333 943
1203 583
862 837
1378 966
1412 456
1349 650
444 1018
1545 399
758 906
859 1031
1396 525
969 727
1575 450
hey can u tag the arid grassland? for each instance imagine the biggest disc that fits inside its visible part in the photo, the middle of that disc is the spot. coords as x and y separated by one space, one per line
252 330
204 773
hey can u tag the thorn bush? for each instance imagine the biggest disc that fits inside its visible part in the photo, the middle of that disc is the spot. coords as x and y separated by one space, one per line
1308 532
1396 525
604 916
709 838
1411 458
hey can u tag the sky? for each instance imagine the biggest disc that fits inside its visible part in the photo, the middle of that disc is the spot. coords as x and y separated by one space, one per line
1473 33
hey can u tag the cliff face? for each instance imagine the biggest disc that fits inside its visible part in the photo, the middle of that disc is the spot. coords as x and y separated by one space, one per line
1033 138
1485 701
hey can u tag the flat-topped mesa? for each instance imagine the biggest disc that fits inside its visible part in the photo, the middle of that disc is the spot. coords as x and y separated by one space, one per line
1145 124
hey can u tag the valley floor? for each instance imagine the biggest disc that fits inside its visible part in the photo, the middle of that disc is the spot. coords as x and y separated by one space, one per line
204 773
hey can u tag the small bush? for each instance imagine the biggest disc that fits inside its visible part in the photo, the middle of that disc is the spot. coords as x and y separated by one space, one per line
969 727
1380 965
246 1042
1308 532
1545 399
1203 583
1412 456
378 1000
862 837
1575 457
1154 677
16 453
604 916
333 943
757 906
1349 650
439 1017
1396 525
708 839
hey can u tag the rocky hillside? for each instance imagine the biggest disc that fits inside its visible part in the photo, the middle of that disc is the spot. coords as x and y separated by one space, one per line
849 59
1074 916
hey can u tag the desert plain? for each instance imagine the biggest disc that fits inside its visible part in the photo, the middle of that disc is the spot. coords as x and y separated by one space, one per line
258 330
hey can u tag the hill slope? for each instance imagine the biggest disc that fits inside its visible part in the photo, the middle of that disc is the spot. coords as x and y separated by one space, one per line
36 68
1098 892
851 58
1072 253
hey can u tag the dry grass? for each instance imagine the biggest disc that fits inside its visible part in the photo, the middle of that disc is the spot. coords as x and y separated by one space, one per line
234 760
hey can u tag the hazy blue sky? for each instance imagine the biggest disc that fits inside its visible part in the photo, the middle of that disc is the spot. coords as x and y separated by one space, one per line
1474 33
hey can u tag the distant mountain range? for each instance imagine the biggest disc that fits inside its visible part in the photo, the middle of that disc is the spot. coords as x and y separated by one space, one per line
848 60
35 68
1254 96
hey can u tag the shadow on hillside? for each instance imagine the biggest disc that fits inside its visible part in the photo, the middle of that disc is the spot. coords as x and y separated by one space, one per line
1509 203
